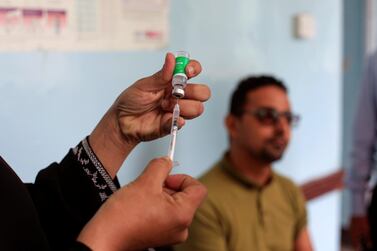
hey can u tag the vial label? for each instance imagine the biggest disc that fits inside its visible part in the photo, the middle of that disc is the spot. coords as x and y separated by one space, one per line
180 65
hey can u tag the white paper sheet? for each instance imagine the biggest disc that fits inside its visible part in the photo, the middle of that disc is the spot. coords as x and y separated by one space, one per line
83 25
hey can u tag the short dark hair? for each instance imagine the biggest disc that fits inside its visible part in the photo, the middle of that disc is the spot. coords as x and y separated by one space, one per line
248 84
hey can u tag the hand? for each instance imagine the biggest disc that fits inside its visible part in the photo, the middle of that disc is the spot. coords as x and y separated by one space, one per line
360 234
154 210
145 109
143 112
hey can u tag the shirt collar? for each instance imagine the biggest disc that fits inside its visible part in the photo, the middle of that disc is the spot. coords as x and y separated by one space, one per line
238 176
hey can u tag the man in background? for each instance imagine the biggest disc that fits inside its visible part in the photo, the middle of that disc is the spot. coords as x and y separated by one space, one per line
249 206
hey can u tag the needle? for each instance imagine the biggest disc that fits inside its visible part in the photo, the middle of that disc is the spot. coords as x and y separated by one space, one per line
173 131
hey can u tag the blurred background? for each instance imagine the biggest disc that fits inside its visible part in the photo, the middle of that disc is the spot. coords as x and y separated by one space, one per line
51 99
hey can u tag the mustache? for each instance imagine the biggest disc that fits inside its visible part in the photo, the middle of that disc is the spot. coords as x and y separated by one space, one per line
277 138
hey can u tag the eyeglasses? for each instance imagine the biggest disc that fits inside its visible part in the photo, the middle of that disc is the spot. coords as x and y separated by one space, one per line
269 116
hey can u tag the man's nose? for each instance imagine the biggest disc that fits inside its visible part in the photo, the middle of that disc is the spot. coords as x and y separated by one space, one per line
282 124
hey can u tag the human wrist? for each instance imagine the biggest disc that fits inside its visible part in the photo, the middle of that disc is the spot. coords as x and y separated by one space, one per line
95 240
108 143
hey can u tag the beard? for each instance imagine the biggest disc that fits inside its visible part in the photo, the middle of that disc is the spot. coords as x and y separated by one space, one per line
273 150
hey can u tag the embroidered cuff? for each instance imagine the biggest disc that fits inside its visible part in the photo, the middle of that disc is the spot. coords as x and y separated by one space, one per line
93 168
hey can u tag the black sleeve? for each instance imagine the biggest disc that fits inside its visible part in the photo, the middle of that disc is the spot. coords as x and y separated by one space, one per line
68 194
78 246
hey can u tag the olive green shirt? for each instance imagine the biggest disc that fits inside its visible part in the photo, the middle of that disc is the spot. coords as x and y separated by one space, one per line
241 216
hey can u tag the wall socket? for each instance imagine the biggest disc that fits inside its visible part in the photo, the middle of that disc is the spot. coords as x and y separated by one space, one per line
304 26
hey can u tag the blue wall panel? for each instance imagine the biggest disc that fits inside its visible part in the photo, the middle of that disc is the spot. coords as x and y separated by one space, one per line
49 101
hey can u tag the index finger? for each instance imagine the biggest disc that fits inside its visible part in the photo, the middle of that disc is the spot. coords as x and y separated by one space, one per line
200 92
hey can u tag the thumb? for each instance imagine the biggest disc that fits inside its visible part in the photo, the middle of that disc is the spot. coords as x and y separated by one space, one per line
161 79
166 73
156 172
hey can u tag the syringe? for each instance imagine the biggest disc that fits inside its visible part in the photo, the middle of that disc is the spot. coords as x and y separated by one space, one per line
173 131
179 81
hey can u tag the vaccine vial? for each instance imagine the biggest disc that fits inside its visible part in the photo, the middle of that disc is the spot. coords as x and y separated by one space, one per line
179 81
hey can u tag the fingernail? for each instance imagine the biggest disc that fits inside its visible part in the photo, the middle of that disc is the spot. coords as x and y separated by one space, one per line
190 70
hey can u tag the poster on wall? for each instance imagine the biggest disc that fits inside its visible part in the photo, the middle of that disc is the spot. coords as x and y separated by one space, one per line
83 25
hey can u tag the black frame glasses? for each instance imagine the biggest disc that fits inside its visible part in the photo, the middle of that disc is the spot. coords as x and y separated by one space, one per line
270 116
